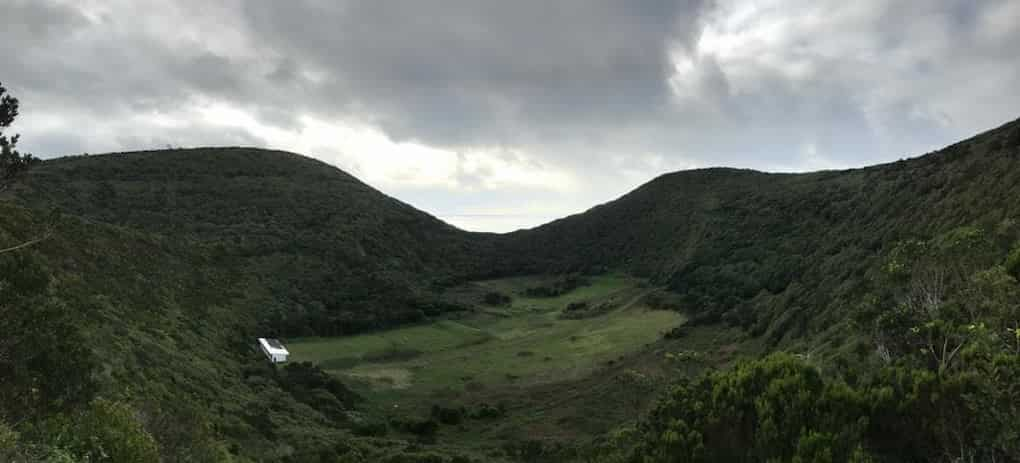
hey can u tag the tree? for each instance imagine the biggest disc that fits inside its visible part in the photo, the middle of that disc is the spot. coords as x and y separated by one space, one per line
993 296
775 409
934 315
46 366
1013 261
12 162
105 431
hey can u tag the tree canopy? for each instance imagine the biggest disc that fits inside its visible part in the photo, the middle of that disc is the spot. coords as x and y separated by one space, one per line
12 162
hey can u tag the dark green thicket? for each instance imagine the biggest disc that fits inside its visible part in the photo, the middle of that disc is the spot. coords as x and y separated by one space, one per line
558 287
319 252
45 363
12 162
785 255
940 383
783 409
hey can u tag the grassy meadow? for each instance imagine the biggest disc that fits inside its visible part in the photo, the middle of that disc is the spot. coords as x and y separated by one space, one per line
521 344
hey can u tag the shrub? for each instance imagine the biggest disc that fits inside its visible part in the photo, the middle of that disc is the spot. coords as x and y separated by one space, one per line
558 287
496 298
309 384
774 409
370 429
488 412
676 333
576 306
425 429
105 431
448 416
1013 261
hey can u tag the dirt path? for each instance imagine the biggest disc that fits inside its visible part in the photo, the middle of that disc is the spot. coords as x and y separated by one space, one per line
635 299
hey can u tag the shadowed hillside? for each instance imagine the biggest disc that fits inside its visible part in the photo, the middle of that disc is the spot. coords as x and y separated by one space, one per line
786 254
323 252
328 254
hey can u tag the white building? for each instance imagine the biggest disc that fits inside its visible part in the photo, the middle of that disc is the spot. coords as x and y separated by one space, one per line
274 350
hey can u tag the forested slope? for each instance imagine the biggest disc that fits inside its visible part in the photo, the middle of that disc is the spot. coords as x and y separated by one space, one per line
784 253
319 251
326 254
109 328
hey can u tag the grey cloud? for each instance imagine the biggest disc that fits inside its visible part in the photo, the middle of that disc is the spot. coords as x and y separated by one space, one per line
484 73
569 81
28 21
188 137
125 137
50 143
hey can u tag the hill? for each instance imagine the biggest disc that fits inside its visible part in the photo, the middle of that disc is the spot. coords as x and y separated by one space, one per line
169 263
787 255
322 253
173 262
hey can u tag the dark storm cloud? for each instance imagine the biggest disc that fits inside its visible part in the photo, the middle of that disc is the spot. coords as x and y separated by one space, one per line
467 72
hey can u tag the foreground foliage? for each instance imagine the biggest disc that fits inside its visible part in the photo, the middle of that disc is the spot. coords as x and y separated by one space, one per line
941 384
782 409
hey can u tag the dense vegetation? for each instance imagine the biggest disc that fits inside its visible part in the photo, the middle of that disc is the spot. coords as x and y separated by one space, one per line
320 252
942 387
132 285
786 256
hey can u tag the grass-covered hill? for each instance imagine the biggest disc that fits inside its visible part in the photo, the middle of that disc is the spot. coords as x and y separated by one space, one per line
785 255
325 254
161 267
321 252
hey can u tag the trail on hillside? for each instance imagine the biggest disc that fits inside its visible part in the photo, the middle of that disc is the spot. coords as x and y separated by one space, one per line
635 299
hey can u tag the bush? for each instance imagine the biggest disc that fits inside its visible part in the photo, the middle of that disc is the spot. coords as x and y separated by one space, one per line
415 458
583 309
8 443
488 412
370 429
448 416
425 429
676 333
1013 262
309 384
105 431
773 409
558 287
576 307
496 298
781 408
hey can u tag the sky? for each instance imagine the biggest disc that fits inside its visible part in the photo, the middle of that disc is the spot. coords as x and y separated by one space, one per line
497 115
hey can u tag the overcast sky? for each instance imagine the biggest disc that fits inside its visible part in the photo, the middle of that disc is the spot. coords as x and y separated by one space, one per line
496 115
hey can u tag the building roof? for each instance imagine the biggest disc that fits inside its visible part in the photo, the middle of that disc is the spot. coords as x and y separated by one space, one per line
273 346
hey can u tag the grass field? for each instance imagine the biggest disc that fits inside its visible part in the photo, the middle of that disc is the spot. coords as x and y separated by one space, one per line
523 344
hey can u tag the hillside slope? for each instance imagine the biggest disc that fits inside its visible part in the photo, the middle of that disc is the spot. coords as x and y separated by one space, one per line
783 253
323 253
166 330
327 254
